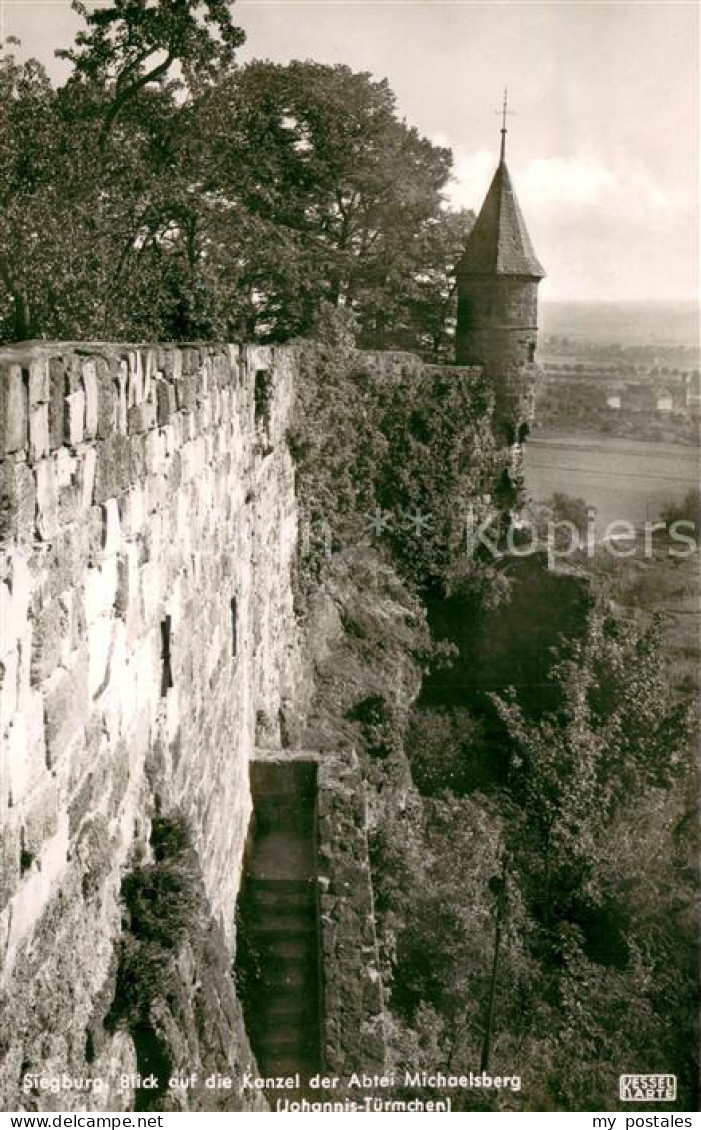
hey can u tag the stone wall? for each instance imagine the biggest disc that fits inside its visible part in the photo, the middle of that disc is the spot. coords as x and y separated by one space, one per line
354 1037
148 527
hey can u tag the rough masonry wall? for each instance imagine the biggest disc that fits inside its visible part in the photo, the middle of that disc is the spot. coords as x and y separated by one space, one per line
148 526
354 1035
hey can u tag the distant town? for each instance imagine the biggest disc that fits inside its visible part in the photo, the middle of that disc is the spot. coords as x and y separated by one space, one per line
637 391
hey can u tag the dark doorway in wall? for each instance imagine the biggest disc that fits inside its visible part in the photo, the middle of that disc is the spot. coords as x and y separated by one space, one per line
278 963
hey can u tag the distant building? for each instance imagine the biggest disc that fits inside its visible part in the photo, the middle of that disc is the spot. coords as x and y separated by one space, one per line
665 400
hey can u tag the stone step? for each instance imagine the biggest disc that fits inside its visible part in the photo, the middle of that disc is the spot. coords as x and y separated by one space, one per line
288 1008
286 977
287 945
283 925
281 885
276 894
289 963
298 1042
283 1063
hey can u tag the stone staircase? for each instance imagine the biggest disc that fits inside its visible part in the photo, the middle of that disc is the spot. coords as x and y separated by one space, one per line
279 923
283 1007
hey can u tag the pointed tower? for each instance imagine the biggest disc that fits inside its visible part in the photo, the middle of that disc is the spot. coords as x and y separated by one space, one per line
498 278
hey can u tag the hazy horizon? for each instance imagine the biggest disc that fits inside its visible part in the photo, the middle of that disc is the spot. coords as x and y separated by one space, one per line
648 323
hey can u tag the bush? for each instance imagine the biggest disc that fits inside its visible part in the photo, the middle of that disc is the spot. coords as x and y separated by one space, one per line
688 510
164 901
444 748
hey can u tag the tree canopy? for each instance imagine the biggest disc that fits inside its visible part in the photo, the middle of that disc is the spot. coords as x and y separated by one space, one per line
164 191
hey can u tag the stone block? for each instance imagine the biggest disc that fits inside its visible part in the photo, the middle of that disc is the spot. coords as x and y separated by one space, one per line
100 589
133 510
100 638
65 467
122 405
135 383
9 683
204 413
149 363
41 820
156 497
112 471
13 409
136 458
191 360
21 586
10 870
124 578
166 401
74 422
51 630
17 501
83 801
174 474
65 707
46 499
142 417
86 476
90 388
39 382
57 406
10 626
39 440
186 392
151 591
107 400
193 457
16 762
69 506
111 527
156 459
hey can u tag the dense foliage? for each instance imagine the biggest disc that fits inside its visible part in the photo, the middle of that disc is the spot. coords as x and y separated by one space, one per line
592 834
368 436
165 192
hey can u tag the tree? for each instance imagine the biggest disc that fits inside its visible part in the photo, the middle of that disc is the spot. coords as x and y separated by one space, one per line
616 733
99 223
26 128
162 193
133 43
319 157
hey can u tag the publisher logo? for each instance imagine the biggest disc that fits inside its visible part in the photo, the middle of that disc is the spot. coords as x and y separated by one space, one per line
647 1088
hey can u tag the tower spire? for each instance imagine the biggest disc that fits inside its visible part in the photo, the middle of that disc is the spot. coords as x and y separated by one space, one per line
505 112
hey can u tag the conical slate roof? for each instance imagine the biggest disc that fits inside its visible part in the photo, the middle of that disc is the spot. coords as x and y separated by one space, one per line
499 243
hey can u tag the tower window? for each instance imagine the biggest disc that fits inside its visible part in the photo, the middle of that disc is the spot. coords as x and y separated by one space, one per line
531 351
166 670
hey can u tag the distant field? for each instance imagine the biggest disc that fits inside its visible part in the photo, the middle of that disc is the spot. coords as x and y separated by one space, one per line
625 323
621 478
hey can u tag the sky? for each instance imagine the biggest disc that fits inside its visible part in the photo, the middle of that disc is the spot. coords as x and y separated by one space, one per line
603 146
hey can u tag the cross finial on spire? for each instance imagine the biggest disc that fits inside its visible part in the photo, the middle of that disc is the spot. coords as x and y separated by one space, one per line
505 112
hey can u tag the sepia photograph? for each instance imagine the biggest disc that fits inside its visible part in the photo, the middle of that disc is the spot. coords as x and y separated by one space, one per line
350 640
